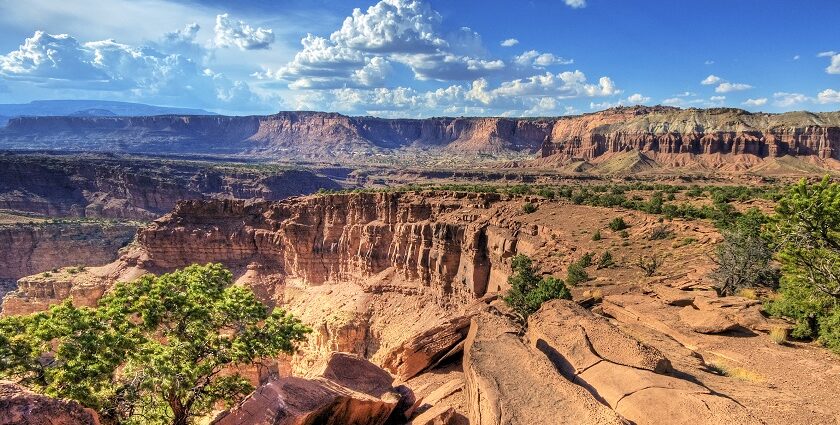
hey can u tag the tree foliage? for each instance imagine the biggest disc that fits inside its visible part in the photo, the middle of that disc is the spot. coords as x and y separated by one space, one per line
162 349
807 230
529 291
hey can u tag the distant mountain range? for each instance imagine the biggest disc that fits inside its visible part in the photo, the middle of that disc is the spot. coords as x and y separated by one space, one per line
89 108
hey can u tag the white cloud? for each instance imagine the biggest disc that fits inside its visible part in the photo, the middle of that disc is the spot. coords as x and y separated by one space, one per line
761 101
510 42
711 80
783 100
637 98
731 87
717 99
575 4
828 96
133 72
540 60
709 62
834 66
229 33
796 57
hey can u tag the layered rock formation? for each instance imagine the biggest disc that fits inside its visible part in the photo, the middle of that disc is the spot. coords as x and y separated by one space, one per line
21 406
30 248
318 135
96 186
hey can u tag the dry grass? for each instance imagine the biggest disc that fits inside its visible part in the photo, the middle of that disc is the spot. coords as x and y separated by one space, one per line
736 372
748 293
779 334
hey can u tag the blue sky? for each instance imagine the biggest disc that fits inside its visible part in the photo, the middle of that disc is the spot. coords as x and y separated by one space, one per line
417 58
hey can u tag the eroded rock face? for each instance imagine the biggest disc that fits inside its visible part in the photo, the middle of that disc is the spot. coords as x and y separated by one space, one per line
426 348
19 406
346 389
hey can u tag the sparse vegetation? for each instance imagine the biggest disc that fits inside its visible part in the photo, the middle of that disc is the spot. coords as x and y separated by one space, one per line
529 291
162 349
623 234
779 334
597 235
737 372
743 258
529 207
650 264
618 224
606 261
576 274
659 233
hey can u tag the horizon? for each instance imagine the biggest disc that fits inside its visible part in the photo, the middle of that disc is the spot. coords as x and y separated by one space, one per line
418 58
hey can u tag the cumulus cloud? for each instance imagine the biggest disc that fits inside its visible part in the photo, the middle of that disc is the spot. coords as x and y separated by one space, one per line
510 42
540 60
638 99
149 72
633 99
828 96
731 87
229 33
575 4
834 66
761 101
711 80
783 99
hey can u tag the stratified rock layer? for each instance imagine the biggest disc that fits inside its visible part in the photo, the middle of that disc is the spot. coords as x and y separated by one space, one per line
19 406
319 135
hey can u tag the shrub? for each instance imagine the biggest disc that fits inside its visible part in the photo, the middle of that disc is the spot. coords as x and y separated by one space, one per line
807 224
650 265
623 234
528 291
684 241
617 224
605 261
658 233
585 260
528 208
576 274
743 261
596 236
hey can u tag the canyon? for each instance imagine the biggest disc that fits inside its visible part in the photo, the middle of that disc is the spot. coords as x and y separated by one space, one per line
673 137
410 282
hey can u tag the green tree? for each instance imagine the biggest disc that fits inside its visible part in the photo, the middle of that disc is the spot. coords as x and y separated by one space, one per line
528 291
162 349
807 230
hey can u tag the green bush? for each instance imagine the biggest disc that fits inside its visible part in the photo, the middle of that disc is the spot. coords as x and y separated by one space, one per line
596 236
606 260
528 208
528 291
623 234
617 224
576 274
743 258
585 260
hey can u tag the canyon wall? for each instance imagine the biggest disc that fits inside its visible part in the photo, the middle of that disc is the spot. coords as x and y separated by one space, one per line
80 186
321 136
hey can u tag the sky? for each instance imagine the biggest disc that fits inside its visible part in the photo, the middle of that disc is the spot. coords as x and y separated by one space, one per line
421 58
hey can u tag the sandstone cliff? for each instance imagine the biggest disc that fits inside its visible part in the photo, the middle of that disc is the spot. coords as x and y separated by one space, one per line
98 186
319 136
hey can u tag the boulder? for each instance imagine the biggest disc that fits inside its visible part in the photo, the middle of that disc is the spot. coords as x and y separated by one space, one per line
444 415
508 382
706 321
344 389
423 350
673 296
19 406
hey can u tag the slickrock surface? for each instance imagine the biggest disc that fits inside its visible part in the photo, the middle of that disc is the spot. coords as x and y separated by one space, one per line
19 406
671 135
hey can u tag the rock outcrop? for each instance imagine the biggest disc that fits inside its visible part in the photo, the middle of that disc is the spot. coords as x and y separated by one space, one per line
346 389
319 135
42 246
19 406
